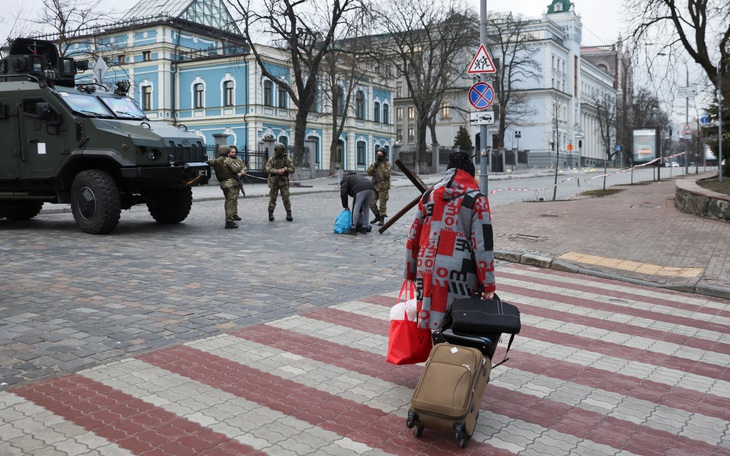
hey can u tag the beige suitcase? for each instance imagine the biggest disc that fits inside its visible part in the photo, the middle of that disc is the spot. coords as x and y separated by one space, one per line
450 391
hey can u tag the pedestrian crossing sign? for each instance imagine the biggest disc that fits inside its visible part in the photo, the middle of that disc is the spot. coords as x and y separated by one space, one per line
482 62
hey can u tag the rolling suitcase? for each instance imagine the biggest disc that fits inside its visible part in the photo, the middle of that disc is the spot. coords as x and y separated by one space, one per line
450 391
487 343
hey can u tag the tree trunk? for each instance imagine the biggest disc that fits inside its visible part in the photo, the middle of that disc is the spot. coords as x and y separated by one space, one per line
300 130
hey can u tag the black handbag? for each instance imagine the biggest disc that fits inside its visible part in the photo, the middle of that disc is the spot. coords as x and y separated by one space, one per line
484 317
475 316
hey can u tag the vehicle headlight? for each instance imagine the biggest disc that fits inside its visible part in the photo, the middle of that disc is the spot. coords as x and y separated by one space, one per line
153 154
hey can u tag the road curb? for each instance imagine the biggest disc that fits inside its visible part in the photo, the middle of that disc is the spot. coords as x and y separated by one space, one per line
545 262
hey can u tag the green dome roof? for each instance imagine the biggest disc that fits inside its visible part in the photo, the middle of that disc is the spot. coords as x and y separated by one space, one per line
559 6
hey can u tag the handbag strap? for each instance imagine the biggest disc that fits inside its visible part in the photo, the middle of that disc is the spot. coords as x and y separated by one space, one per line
509 344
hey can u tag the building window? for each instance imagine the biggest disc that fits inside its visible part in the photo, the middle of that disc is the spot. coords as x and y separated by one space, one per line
146 56
411 135
411 113
268 93
199 92
445 110
386 114
228 93
146 98
282 96
361 153
399 135
398 114
339 101
121 59
376 112
360 105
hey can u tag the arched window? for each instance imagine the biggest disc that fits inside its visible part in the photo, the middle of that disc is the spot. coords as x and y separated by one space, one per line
361 153
268 93
228 93
339 102
376 112
282 96
360 105
199 96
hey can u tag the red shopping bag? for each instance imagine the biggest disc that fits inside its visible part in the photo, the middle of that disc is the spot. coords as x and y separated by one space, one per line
407 343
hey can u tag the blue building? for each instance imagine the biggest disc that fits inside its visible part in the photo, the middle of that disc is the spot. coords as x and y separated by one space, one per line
189 65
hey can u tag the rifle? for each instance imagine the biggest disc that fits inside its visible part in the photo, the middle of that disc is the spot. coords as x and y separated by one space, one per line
239 184
420 185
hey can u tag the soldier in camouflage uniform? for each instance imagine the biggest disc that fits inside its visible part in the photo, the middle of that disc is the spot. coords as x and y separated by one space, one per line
279 167
380 169
227 169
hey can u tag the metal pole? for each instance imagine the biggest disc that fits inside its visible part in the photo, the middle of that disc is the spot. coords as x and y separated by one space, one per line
483 129
686 121
719 120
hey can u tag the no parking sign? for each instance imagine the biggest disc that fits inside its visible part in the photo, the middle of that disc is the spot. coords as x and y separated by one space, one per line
481 95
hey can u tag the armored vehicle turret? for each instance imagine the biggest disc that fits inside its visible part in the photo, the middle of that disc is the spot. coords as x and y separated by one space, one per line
86 146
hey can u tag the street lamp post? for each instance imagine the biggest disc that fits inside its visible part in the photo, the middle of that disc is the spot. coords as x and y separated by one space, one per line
719 120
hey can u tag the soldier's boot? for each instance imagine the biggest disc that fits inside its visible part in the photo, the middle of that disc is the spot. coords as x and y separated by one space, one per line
289 218
381 222
271 216
236 218
230 225
376 219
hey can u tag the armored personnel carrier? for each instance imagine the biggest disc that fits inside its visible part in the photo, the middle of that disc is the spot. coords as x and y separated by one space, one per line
87 146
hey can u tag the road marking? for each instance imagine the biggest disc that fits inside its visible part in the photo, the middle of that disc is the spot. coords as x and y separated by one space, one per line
634 266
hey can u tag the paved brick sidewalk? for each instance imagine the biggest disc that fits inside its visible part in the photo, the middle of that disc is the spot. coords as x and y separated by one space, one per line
601 367
639 227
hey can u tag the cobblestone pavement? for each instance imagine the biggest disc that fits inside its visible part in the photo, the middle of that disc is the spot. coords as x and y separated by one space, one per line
270 339
71 300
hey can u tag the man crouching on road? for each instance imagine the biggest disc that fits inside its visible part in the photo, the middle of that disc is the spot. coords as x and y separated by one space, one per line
227 168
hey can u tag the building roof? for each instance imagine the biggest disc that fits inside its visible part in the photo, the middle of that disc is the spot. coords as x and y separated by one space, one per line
212 13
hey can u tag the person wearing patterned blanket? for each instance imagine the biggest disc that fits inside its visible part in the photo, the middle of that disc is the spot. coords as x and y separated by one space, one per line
450 245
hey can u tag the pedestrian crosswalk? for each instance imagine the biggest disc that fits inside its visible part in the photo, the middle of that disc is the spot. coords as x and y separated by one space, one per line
600 367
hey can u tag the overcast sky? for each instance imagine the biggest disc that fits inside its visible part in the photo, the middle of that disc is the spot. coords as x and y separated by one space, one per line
602 21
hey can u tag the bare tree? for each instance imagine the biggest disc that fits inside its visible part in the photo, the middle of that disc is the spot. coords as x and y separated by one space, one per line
697 26
425 41
342 72
605 106
510 43
69 19
701 28
647 112
306 29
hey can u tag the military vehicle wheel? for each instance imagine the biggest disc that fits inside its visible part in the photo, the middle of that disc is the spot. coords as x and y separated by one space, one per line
20 210
172 205
95 201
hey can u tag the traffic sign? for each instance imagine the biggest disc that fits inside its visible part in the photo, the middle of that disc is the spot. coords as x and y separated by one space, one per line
704 120
481 95
482 118
482 62
99 70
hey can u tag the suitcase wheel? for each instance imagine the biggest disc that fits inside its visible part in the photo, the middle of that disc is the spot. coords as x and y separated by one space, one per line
418 431
411 420
463 442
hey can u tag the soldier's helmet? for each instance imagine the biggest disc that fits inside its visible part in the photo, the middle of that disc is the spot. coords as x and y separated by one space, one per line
279 147
223 150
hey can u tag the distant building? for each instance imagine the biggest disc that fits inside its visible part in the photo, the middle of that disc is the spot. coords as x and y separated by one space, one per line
563 98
